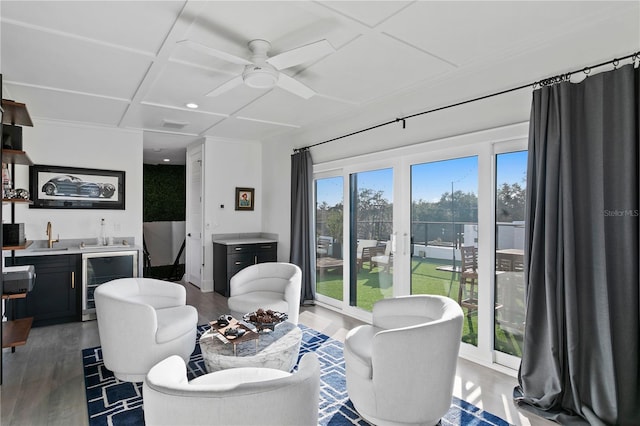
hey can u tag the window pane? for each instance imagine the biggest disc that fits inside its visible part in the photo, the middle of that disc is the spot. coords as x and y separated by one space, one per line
329 237
444 225
371 266
511 169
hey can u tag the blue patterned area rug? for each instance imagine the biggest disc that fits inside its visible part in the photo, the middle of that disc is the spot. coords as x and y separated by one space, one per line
112 402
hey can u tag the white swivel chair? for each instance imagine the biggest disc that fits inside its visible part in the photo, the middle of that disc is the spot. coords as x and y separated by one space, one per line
400 370
142 321
236 396
270 285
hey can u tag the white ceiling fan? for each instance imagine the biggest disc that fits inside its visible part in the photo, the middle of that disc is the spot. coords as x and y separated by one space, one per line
262 71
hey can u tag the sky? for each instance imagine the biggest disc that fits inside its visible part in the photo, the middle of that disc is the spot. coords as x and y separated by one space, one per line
430 180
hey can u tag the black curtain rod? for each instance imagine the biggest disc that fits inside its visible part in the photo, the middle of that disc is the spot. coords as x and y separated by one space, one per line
543 82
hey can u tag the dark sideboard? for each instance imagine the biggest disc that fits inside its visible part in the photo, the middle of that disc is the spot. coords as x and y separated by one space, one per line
230 256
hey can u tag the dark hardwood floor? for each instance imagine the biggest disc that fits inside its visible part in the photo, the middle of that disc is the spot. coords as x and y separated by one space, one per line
43 383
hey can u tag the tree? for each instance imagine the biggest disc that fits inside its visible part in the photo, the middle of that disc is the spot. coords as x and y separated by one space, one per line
510 203
374 215
334 221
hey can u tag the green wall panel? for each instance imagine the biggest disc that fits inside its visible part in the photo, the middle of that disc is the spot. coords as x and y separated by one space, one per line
164 193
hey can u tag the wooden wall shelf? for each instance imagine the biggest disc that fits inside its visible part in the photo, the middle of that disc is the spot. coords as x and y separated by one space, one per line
17 200
14 296
13 156
15 113
16 332
21 247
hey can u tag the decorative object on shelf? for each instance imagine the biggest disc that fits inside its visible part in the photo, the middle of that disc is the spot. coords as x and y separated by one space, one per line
11 137
55 187
22 193
245 199
233 333
265 320
13 234
15 115
10 193
6 181
223 320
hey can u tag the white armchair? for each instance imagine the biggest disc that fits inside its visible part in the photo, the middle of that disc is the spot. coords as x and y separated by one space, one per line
237 396
142 321
270 285
400 370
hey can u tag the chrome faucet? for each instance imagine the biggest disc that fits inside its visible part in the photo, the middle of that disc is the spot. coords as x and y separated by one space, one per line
51 240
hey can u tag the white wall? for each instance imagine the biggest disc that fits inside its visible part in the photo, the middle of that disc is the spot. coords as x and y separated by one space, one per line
276 178
74 145
227 165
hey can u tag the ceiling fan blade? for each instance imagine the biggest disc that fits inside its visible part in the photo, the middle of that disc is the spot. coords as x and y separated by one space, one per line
301 54
294 86
234 82
215 52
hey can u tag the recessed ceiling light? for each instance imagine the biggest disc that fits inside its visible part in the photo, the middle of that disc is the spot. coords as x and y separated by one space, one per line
192 105
166 160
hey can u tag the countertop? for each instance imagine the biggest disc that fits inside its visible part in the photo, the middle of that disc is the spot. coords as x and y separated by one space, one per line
231 242
75 246
245 238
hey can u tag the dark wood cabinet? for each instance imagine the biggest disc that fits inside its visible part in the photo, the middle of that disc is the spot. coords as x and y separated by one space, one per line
56 295
228 259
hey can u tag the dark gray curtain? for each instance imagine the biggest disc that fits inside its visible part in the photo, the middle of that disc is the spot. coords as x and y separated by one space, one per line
302 242
580 357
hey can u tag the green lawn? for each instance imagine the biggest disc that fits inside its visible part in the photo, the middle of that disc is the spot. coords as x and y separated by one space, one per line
376 284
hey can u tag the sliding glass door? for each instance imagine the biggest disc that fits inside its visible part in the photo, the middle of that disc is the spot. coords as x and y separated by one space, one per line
371 239
329 196
417 221
510 190
444 221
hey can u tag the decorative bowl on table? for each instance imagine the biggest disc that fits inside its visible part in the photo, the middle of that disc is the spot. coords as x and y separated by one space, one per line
265 319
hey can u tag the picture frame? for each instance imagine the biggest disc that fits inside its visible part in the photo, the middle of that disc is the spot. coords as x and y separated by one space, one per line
245 198
57 187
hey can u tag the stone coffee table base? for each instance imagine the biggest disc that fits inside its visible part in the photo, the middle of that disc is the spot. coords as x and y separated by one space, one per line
277 349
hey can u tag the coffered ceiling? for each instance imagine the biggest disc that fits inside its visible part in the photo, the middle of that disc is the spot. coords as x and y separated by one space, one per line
119 63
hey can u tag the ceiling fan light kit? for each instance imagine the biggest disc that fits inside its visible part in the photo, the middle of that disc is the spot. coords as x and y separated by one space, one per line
260 77
263 72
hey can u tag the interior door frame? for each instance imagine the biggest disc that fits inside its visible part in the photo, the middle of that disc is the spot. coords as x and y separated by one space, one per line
194 255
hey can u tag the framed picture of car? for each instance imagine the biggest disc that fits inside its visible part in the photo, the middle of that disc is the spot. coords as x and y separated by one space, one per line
55 187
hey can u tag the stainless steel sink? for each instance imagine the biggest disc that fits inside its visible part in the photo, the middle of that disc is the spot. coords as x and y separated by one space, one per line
50 249
98 246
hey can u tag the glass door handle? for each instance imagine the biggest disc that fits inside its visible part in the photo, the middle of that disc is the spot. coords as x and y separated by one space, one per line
406 243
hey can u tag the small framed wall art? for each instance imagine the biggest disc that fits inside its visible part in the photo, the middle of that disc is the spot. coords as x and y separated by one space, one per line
245 199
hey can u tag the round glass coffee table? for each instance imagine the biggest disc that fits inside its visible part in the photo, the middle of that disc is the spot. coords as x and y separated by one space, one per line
274 349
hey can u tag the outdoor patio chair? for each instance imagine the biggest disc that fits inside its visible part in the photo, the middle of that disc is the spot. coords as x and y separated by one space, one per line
383 257
468 290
